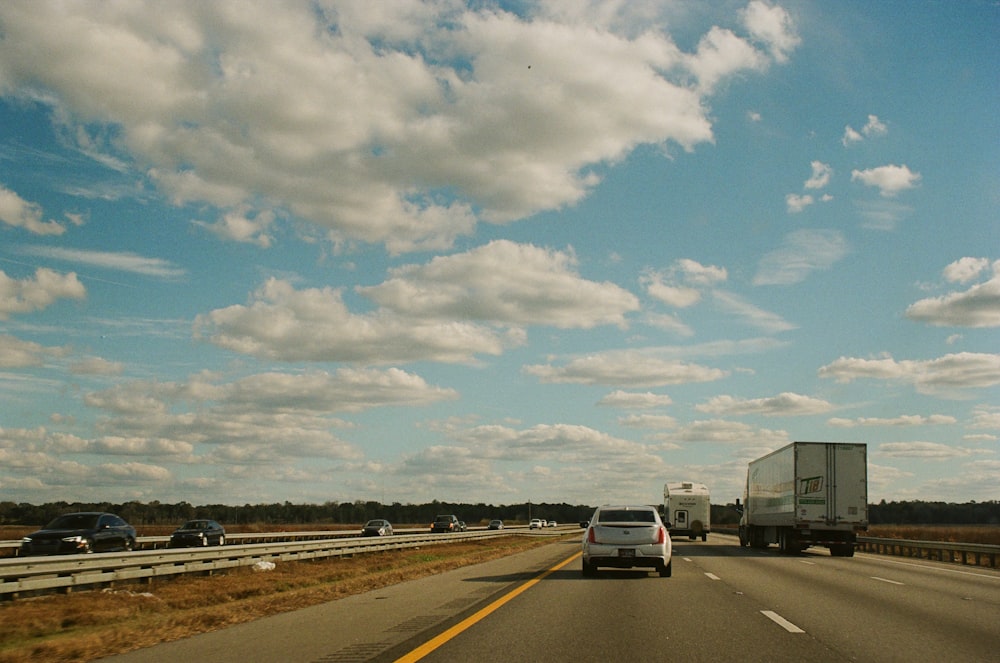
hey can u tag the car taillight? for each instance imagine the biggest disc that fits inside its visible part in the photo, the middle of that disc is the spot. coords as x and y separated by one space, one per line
591 537
662 538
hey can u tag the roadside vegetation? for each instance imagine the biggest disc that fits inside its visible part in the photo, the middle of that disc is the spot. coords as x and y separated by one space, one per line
88 625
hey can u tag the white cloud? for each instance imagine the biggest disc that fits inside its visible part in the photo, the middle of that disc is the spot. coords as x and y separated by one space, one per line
797 203
314 324
965 370
902 420
627 368
120 261
821 174
851 136
801 253
681 284
752 315
875 127
786 404
251 110
979 306
34 294
964 270
19 213
635 400
882 214
773 26
889 180
648 421
507 283
926 450
727 432
17 353
96 366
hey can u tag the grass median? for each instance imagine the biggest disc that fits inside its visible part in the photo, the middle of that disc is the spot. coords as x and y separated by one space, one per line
85 626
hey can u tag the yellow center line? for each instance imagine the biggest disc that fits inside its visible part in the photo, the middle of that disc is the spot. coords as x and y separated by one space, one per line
465 624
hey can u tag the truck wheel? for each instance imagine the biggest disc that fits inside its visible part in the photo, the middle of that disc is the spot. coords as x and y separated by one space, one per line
589 569
704 536
667 569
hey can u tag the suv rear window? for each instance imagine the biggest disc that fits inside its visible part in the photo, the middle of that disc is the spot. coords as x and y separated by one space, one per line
626 516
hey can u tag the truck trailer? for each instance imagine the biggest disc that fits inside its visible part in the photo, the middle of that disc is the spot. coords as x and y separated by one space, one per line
806 494
687 509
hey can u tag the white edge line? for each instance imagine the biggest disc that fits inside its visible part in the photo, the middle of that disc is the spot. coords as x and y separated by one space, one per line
781 621
891 582
712 576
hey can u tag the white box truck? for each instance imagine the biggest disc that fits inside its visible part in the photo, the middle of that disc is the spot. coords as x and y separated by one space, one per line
687 509
806 494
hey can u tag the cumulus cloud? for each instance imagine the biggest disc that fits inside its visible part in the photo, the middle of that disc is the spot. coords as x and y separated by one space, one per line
902 420
926 450
796 203
504 282
784 405
874 127
634 400
727 432
18 353
801 253
979 306
681 284
38 292
889 180
250 110
821 174
19 213
626 368
446 310
965 370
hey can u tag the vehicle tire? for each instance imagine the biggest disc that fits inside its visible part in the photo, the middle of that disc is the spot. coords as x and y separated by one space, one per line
129 545
204 542
222 539
667 570
88 546
704 536
589 569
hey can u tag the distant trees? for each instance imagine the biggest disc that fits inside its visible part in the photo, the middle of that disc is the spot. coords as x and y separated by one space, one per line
353 513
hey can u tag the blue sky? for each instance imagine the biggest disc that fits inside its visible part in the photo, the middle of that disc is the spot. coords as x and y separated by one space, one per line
491 252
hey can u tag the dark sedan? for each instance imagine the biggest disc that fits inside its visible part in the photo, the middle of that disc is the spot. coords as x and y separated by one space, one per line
198 533
84 532
377 528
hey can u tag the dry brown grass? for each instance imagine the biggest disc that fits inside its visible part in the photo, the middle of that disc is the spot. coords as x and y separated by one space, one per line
87 625
988 534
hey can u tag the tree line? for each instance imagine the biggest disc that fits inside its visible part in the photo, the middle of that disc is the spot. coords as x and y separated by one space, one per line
353 513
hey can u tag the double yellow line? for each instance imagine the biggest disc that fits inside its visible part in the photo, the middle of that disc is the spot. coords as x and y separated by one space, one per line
468 622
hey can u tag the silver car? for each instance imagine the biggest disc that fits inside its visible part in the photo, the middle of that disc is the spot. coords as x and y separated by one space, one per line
624 537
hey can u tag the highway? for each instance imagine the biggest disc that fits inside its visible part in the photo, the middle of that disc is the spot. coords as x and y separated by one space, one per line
722 603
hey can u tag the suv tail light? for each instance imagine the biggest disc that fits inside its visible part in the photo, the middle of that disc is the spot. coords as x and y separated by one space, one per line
591 537
662 537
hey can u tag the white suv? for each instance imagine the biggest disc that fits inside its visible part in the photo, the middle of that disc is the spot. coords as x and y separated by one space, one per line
624 537
535 523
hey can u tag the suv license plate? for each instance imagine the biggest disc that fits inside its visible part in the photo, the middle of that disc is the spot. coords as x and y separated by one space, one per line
626 552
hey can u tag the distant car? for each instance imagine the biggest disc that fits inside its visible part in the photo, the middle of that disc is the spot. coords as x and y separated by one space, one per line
445 523
461 526
198 533
496 524
552 523
536 523
624 537
84 532
377 527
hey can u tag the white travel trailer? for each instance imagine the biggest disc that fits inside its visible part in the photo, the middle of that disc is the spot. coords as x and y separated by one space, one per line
687 509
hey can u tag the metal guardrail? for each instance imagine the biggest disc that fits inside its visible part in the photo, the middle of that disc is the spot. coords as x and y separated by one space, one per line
24 575
940 550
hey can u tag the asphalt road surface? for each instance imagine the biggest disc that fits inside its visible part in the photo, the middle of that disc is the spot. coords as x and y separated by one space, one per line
723 603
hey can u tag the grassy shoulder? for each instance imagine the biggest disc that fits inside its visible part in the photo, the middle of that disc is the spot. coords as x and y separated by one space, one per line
88 625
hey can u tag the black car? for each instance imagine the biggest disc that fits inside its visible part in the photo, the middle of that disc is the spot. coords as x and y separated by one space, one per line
85 532
198 533
377 527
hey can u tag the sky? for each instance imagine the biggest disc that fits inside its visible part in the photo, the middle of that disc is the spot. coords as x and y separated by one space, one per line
495 252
